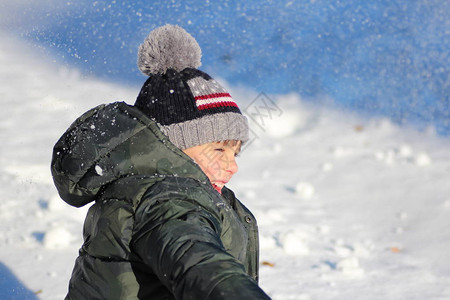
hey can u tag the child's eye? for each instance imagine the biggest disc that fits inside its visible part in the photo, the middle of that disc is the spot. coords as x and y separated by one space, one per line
219 149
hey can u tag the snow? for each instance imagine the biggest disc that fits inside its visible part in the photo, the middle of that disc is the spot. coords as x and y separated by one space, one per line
384 57
304 190
349 206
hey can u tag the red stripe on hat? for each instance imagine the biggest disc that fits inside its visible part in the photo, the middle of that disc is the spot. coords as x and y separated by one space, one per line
217 104
210 96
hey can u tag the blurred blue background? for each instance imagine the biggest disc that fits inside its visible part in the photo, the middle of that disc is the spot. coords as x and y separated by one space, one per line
381 57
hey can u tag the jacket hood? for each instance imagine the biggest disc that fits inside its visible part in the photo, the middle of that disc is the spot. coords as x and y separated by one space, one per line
110 142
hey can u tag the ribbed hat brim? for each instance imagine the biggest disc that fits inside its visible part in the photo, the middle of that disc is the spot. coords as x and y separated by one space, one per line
209 128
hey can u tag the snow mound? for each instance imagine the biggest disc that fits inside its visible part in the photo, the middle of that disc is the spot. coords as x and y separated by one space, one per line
295 243
281 117
57 238
422 160
305 190
350 266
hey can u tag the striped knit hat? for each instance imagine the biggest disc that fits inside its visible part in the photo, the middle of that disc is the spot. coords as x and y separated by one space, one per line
190 106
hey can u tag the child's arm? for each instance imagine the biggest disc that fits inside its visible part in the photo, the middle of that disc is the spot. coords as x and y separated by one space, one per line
181 244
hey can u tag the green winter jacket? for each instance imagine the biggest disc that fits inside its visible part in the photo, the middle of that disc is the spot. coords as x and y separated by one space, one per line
157 228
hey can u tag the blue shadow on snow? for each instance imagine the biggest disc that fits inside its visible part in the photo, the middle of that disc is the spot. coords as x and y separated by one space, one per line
11 288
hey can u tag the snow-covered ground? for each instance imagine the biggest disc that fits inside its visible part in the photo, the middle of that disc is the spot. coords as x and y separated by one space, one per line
349 207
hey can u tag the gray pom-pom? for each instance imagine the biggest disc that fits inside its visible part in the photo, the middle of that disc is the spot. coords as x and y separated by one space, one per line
168 47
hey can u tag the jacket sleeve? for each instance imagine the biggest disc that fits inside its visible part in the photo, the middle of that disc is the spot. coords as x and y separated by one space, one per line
180 242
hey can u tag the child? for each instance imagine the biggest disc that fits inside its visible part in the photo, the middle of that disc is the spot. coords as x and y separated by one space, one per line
163 225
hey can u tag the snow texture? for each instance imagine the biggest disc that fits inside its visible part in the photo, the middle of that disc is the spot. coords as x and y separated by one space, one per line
349 207
383 57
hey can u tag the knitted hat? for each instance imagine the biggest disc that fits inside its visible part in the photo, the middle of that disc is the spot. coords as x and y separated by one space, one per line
190 106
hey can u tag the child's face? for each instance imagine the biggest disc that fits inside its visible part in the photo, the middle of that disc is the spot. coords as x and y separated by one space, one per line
217 161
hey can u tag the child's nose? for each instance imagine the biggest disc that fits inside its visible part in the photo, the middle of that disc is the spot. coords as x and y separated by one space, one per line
232 166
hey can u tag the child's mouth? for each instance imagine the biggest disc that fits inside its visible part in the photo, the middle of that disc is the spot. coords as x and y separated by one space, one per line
218 186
